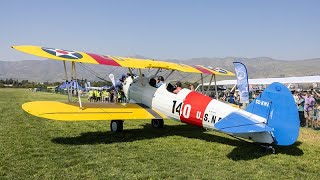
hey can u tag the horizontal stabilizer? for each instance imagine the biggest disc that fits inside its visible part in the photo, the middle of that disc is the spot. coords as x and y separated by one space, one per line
236 123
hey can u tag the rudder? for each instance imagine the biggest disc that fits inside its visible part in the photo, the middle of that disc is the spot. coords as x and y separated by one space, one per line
277 105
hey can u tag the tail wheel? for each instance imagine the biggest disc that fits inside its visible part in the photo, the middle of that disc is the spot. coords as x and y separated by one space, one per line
116 126
157 123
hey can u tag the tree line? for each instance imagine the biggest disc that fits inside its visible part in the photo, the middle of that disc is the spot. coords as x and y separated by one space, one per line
14 83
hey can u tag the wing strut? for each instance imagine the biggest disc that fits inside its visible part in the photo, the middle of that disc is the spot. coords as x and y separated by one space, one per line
77 85
169 74
215 86
131 72
202 88
203 78
157 72
71 81
140 73
209 85
67 83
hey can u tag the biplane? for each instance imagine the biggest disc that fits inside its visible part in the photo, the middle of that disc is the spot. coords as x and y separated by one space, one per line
271 119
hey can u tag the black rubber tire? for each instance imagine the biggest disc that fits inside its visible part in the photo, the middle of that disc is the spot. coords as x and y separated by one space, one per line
116 126
157 123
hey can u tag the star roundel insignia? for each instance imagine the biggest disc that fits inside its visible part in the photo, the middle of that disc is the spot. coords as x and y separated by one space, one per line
63 53
220 70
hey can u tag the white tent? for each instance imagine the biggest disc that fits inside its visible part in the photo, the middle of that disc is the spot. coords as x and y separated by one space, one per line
285 80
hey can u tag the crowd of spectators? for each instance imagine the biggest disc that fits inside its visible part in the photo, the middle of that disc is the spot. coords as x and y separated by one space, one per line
308 108
106 96
112 94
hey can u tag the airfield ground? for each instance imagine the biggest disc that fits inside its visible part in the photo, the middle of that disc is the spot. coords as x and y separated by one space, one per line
35 148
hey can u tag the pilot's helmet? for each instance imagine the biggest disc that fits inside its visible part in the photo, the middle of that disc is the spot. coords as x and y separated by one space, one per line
160 78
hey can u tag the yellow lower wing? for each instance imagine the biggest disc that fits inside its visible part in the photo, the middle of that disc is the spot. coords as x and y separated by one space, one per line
91 111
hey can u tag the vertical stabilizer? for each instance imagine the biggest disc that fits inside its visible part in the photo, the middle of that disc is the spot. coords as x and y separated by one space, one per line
277 105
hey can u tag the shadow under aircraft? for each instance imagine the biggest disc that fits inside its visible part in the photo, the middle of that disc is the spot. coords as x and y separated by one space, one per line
242 151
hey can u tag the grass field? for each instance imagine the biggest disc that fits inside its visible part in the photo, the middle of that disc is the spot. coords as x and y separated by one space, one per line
35 148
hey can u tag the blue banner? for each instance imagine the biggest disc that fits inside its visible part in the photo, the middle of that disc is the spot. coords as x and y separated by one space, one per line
243 84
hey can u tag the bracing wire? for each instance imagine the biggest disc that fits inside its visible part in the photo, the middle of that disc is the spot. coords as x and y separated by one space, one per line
92 72
111 71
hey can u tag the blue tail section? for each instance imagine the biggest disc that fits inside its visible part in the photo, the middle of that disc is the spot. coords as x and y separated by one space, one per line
277 105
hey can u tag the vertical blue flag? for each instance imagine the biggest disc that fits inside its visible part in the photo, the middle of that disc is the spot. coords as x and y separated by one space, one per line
243 84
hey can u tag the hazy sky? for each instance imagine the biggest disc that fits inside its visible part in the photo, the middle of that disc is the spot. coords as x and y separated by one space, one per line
164 29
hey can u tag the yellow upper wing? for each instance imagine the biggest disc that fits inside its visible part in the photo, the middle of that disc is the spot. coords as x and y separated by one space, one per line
66 55
64 111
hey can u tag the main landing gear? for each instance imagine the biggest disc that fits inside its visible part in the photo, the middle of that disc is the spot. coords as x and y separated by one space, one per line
116 126
157 123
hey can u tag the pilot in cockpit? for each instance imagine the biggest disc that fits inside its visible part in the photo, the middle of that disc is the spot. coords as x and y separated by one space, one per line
178 87
160 81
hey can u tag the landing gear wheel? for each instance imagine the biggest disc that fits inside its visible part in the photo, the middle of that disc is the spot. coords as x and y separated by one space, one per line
157 123
268 148
116 126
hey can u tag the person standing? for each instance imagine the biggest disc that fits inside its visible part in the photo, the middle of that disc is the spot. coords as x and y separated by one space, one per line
315 122
102 95
231 99
106 96
308 108
300 104
296 97
98 96
119 96
90 98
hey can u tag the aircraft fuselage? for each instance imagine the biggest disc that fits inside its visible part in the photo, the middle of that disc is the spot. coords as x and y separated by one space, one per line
187 106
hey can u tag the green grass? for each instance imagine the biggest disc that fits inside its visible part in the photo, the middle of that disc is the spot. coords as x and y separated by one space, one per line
35 148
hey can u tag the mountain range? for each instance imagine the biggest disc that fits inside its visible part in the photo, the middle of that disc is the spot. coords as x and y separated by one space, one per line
51 71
